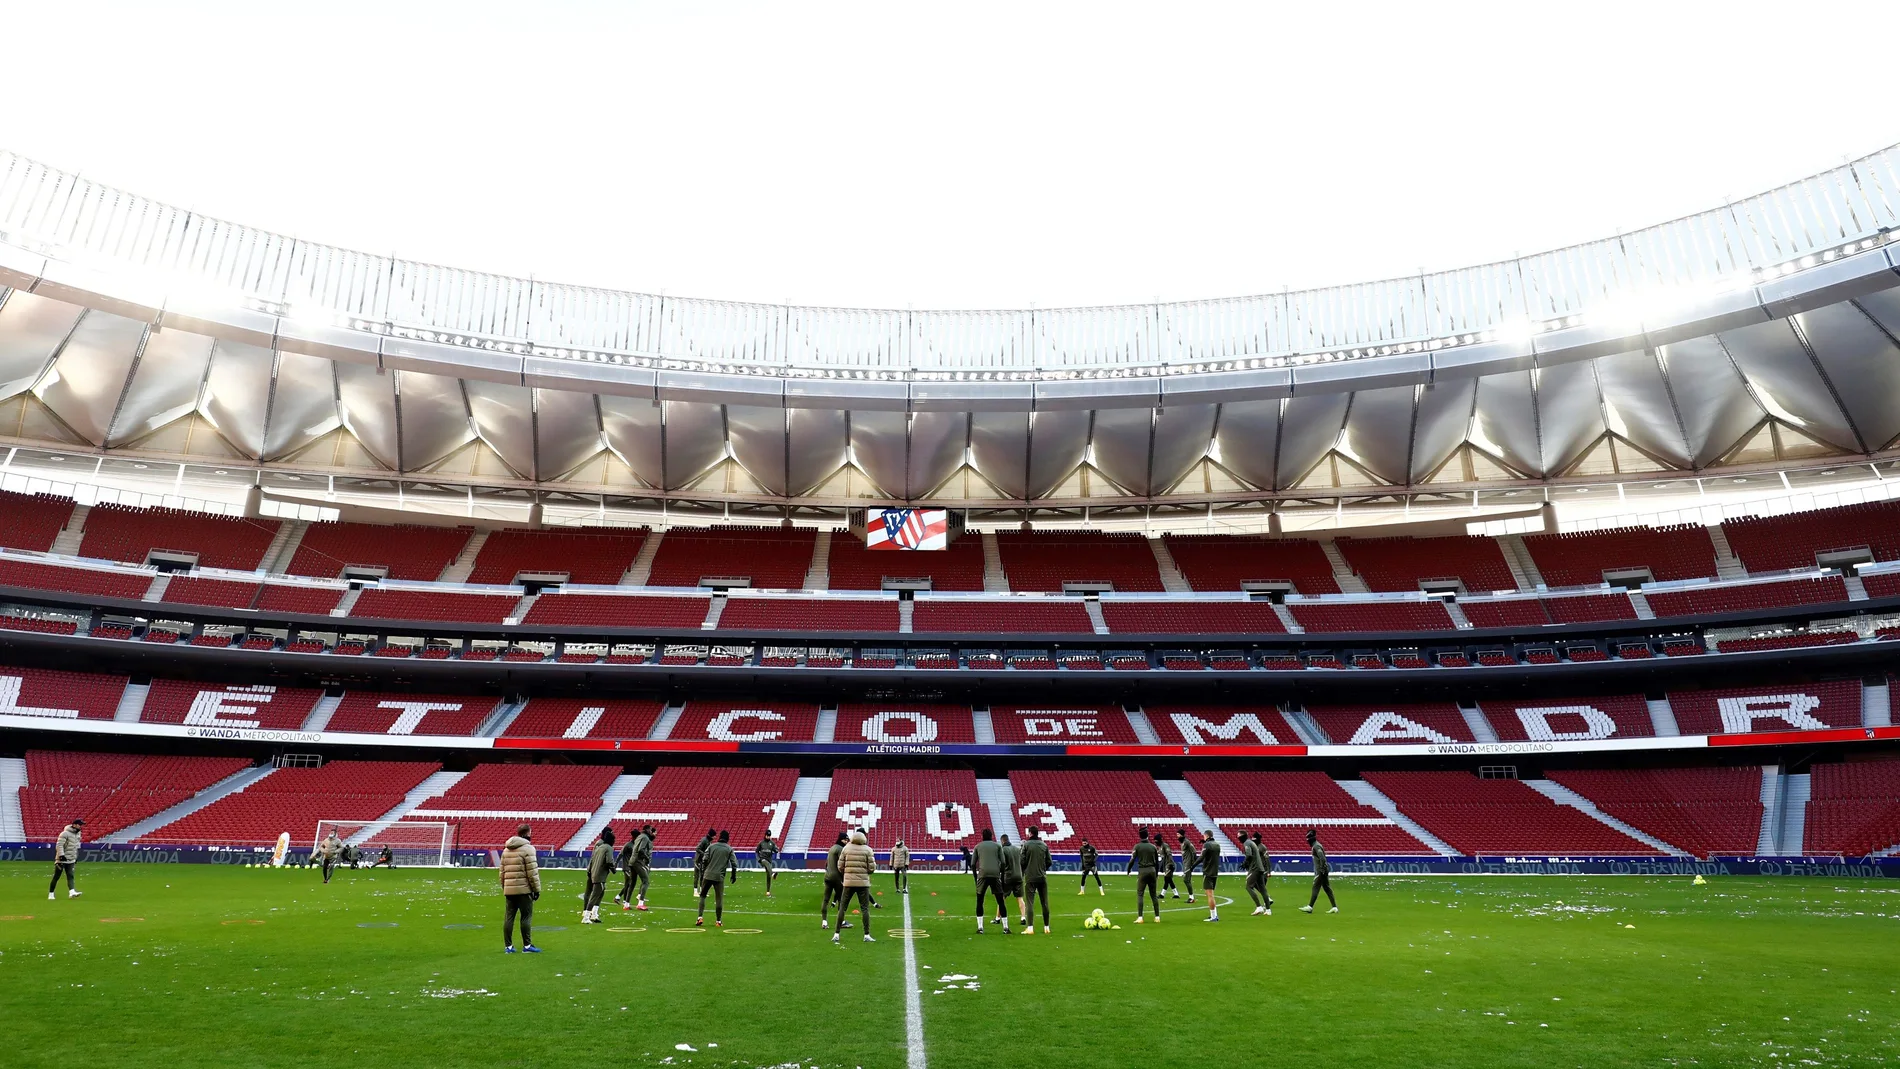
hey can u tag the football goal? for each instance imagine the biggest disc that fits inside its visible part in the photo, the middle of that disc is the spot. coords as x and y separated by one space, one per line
426 843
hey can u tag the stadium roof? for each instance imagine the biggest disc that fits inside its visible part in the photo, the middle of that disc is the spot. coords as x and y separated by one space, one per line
1755 338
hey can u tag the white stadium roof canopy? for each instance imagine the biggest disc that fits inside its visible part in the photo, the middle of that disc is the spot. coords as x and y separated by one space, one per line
146 347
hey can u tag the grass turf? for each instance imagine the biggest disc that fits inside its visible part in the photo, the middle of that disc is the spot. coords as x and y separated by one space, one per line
211 966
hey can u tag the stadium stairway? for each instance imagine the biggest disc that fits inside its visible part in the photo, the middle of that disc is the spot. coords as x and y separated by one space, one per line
818 574
664 723
983 726
808 802
1517 556
1563 795
348 601
321 712
1641 605
1188 801
642 565
1480 727
1769 842
67 542
160 583
1457 614
1349 583
1367 794
521 609
1662 718
438 783
282 546
999 797
715 608
995 580
12 778
131 703
1286 619
1856 590
1144 729
498 721
224 788
1795 792
906 607
1727 565
464 562
1171 578
1876 705
1093 606
1306 727
827 730
623 790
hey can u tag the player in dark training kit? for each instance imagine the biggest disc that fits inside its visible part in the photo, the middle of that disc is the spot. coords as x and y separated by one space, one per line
1088 869
1012 878
1322 874
1259 867
765 853
599 867
720 863
1142 861
1035 862
1210 871
987 861
834 883
1164 864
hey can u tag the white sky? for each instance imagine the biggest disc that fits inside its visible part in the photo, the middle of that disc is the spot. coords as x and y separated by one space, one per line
951 155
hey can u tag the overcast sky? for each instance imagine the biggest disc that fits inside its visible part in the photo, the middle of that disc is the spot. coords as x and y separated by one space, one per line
950 155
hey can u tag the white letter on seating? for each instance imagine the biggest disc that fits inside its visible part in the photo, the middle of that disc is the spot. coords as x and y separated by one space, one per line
922 728
10 702
1739 714
1041 727
1191 726
207 706
1053 821
933 821
1596 723
413 712
1393 726
721 726
860 814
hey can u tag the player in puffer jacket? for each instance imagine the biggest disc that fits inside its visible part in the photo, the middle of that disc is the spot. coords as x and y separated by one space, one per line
520 886
65 857
856 864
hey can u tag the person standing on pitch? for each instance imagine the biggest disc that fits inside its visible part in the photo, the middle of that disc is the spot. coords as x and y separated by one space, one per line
987 860
699 864
765 853
65 856
624 896
1322 874
1259 867
330 848
720 862
1089 858
520 886
834 882
1142 861
856 864
1012 877
900 868
642 867
1188 863
1210 871
599 867
1035 862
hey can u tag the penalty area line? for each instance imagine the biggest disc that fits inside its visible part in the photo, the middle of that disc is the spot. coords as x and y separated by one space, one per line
913 1002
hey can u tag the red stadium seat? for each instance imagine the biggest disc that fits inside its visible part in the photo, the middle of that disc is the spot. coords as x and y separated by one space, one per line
410 714
1236 725
265 706
853 567
408 551
594 555
759 721
126 586
1046 560
1706 811
681 803
934 811
1500 816
1406 563
1192 617
1371 616
1787 707
1281 806
1224 562
584 718
672 613
123 533
1697 601
900 722
1854 807
1623 716
775 558
493 799
110 791
1580 558
57 694
1108 808
294 799
377 603
1055 724
1017 615
744 613
32 521
1398 724
1796 540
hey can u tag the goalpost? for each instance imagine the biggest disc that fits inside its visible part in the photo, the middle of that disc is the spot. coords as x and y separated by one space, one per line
413 843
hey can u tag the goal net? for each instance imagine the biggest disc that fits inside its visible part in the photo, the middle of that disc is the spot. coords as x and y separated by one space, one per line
427 843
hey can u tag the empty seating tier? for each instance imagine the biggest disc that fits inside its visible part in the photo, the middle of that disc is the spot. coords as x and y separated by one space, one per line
32 521
1106 808
1406 563
1706 811
1580 558
1192 617
1697 601
904 722
1797 540
126 586
302 600
934 811
220 593
1621 716
61 695
1225 562
1235 725
122 533
1789 707
381 604
775 558
584 718
1853 808
294 800
1076 725
684 613
110 791
1371 616
1282 806
1410 725
492 800
1500 816
1590 608
1019 615
809 614
598 555
1045 561
760 721
407 551
212 705
410 714
1516 612
681 803
853 567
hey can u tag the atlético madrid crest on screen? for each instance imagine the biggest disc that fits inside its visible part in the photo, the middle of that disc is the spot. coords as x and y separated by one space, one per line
907 529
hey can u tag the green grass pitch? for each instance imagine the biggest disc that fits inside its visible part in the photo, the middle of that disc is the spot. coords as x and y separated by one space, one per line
207 966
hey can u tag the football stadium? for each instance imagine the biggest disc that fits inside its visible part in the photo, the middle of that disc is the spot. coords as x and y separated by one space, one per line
1486 666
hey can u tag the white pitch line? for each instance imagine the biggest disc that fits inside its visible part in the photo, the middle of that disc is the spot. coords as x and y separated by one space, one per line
913 1002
